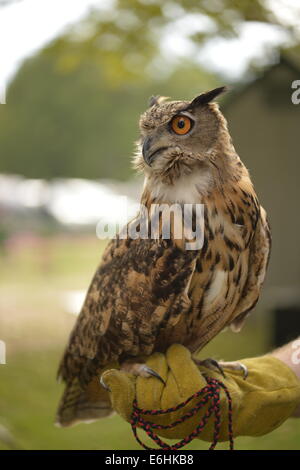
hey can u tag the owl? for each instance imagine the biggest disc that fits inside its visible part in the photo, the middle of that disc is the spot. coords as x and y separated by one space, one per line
149 293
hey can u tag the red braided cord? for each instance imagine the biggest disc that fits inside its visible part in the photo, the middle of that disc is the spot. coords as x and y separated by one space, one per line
210 392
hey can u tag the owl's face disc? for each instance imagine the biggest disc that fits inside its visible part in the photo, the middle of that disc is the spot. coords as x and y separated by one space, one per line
177 134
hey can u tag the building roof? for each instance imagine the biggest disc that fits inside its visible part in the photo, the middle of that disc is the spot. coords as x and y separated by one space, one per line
288 57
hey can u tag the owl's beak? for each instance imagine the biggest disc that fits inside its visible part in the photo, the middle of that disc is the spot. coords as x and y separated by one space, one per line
148 152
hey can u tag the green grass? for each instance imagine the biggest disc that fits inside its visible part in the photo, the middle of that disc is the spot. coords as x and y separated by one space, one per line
35 327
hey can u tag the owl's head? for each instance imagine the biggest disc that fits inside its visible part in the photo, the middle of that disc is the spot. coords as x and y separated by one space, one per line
177 136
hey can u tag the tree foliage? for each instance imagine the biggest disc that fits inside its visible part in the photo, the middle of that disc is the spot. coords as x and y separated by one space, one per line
56 124
126 38
72 110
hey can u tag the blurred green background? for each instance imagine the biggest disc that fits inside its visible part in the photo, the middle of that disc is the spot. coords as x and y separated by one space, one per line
69 125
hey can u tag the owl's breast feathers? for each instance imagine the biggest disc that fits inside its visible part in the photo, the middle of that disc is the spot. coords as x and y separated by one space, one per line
148 294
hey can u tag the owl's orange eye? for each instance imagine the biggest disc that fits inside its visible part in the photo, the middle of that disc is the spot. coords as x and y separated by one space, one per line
181 124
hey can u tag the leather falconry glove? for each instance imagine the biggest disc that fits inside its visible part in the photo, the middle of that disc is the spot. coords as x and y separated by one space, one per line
260 403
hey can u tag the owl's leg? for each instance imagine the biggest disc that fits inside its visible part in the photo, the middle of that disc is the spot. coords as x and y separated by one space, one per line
220 366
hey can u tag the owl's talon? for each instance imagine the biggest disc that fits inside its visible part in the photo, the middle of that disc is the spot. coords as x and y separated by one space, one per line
147 371
237 366
106 387
245 371
140 370
220 366
211 364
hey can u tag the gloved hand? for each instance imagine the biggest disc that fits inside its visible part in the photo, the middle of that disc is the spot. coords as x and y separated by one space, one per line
260 403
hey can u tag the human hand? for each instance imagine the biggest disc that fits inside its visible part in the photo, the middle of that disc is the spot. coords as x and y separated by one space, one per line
260 404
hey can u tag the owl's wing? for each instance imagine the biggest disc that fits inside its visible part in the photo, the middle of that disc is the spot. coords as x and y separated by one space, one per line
91 323
139 284
259 255
139 287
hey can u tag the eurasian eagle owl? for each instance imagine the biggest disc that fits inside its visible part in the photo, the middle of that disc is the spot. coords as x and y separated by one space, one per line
150 293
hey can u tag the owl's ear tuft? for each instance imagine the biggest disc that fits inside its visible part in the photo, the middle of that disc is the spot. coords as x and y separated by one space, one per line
157 100
207 97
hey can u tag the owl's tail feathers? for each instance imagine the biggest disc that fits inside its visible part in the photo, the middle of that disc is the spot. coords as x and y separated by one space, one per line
78 405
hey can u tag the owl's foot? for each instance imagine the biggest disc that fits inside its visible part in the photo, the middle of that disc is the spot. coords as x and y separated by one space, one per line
140 370
235 365
220 366
210 364
137 369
